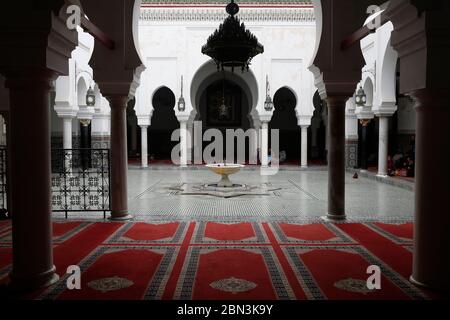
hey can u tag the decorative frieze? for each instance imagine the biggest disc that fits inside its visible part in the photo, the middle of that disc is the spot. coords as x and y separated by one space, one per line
224 2
295 14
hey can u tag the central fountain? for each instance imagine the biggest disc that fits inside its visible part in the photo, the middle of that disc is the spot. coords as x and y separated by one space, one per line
225 188
225 170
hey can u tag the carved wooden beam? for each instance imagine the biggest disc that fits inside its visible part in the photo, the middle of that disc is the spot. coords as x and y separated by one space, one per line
361 33
93 30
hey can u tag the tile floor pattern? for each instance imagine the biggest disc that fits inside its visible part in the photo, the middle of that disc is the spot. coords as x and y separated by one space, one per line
302 196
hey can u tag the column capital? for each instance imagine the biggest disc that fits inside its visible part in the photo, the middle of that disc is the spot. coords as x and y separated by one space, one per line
86 113
66 111
337 101
144 120
183 118
365 122
385 109
430 98
266 118
365 113
117 100
30 79
304 120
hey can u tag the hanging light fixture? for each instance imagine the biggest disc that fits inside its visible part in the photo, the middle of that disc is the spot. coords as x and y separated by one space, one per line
360 98
181 101
90 97
268 105
232 45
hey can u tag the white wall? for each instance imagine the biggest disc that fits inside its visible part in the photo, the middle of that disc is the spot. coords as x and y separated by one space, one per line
171 47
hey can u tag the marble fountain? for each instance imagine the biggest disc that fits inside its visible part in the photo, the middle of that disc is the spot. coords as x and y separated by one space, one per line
225 188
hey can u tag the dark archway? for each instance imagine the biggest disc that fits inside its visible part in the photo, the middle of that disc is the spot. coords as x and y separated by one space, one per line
285 120
318 135
164 123
237 115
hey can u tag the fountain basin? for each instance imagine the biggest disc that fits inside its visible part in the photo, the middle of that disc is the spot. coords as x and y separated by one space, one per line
225 170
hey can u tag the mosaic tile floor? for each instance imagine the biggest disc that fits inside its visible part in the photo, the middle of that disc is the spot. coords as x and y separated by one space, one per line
302 195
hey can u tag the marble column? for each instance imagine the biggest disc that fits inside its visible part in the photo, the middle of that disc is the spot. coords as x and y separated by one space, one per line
432 219
383 146
119 158
190 136
264 144
67 132
253 146
304 154
134 134
336 157
30 139
183 144
2 129
144 146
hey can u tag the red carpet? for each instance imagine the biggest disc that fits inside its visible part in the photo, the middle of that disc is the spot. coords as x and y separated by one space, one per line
239 261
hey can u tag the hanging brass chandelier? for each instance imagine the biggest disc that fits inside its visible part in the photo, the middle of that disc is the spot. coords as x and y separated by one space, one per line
232 45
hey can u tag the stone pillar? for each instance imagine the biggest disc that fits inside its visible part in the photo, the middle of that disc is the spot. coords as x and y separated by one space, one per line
2 129
264 144
30 139
134 134
85 135
336 157
190 136
119 157
364 138
383 146
253 146
304 155
432 219
183 144
144 146
351 135
67 132
258 143
85 143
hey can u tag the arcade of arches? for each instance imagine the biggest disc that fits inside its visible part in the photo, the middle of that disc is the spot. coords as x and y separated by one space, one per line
373 175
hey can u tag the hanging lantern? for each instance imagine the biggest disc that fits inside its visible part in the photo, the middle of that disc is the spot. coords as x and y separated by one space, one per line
181 101
360 98
90 97
268 104
232 45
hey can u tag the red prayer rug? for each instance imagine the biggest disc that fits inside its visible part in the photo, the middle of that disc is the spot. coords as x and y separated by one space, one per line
229 260
62 231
